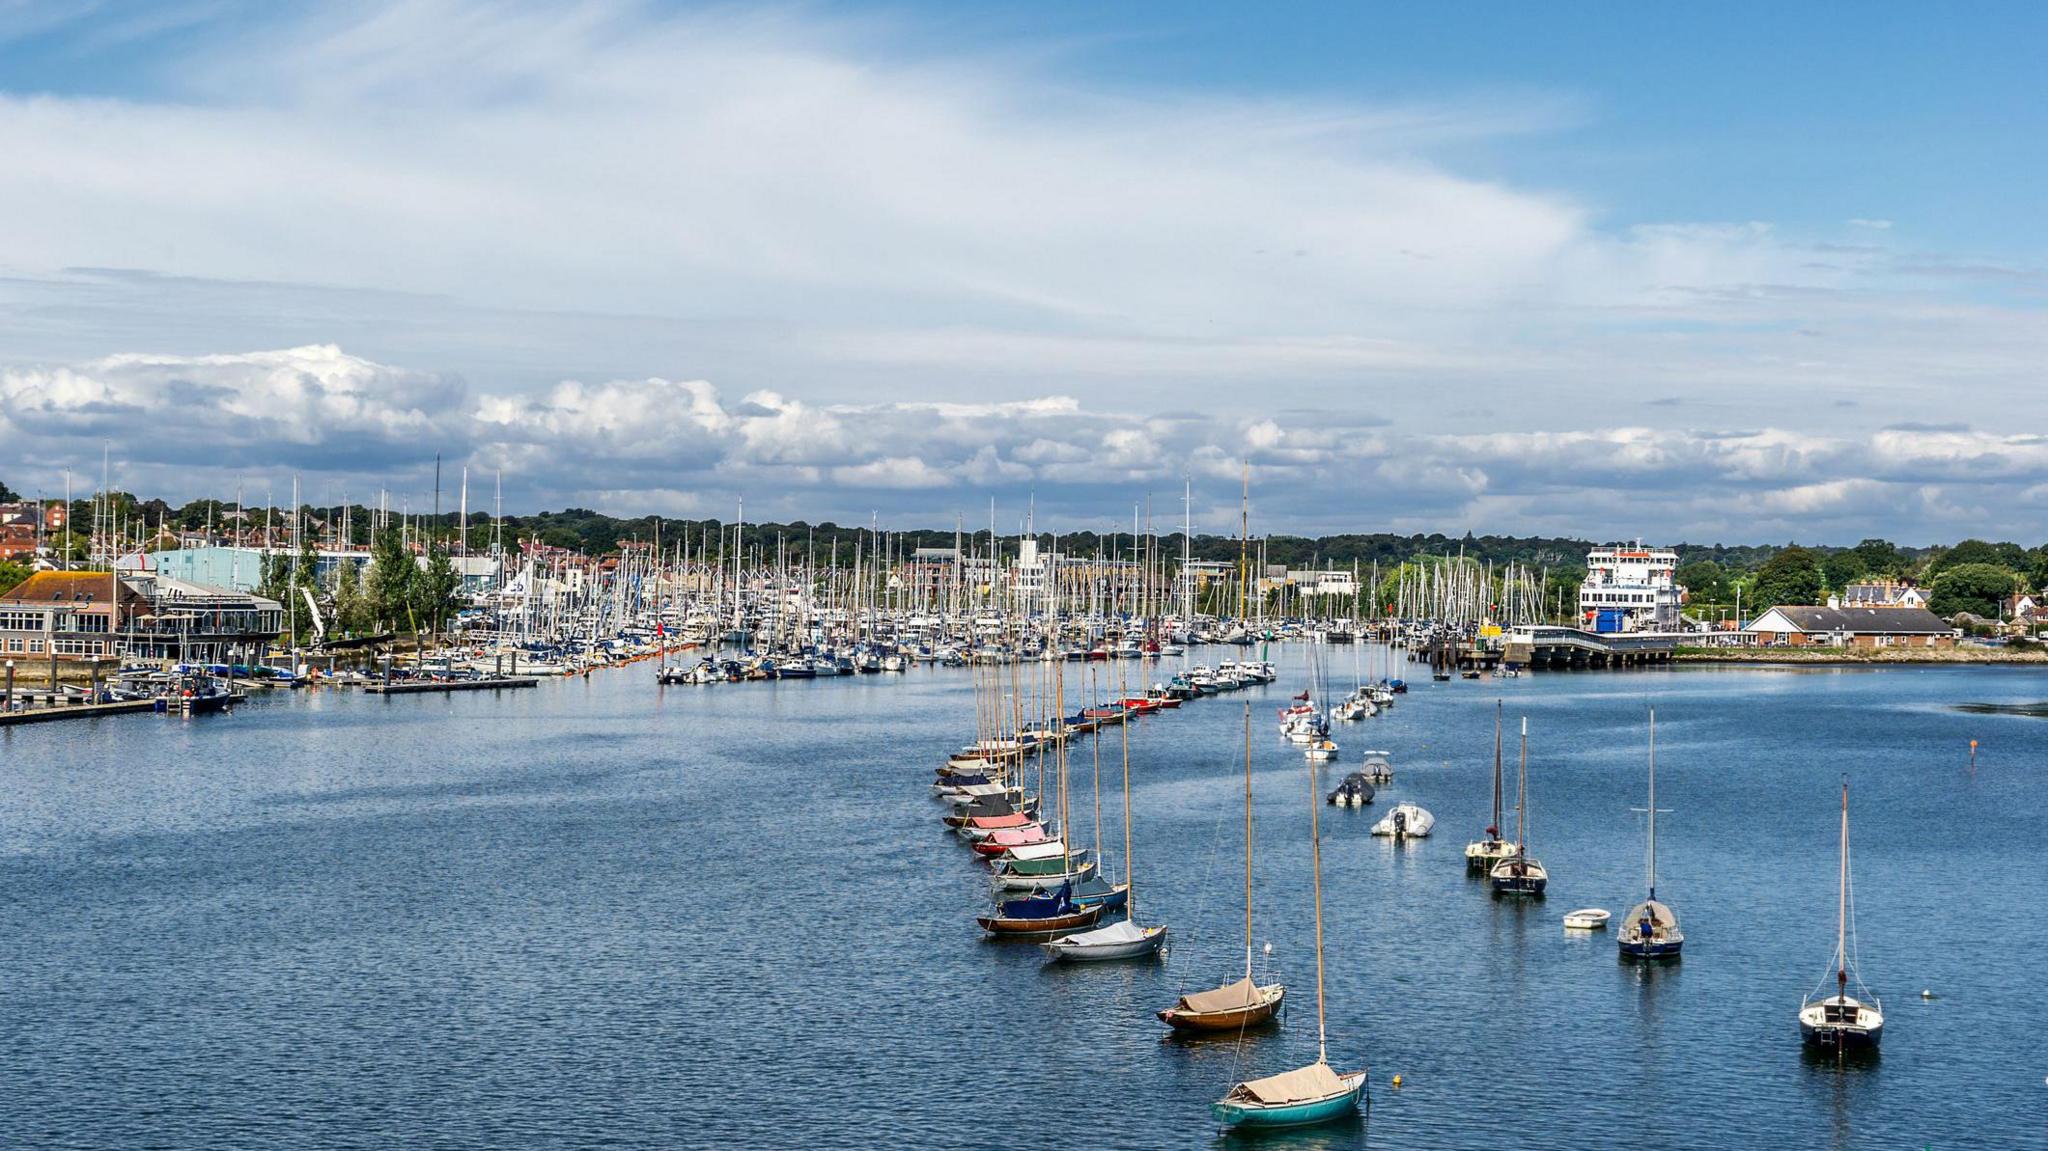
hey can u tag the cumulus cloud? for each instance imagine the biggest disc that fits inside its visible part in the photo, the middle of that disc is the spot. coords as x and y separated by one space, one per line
186 426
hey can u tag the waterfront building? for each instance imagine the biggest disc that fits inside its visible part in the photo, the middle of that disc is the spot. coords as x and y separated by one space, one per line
87 616
1837 626
1629 587
70 616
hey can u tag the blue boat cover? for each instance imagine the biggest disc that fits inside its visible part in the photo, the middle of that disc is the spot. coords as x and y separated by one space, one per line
1060 902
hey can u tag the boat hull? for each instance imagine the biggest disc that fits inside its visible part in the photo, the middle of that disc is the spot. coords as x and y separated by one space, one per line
1655 949
1001 927
1068 951
1233 1020
1300 1114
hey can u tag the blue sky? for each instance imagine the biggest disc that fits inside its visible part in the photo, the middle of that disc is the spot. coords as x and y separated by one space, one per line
1744 272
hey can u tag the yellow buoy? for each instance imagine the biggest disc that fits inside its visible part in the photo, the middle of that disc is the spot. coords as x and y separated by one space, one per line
1397 1082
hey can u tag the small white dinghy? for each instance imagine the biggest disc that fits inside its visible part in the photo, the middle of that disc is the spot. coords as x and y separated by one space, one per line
1586 919
1120 940
1406 821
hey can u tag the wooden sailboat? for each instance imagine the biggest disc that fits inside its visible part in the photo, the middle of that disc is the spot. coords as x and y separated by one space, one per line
1839 1020
1651 929
1482 854
1246 1002
1126 938
1050 910
1316 1093
1519 873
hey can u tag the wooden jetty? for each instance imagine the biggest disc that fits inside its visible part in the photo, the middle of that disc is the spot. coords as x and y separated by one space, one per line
74 711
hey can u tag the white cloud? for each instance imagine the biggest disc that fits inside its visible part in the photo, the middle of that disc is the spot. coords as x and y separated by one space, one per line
187 426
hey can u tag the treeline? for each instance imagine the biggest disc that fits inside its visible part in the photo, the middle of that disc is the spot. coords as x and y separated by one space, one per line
1970 576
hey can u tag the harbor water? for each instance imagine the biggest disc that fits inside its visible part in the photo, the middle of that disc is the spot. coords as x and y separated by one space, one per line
601 913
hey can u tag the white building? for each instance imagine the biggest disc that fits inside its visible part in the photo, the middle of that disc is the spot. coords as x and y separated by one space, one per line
1630 588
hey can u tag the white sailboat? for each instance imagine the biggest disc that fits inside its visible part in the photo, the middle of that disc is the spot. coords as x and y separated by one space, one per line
1840 1020
1651 929
1482 854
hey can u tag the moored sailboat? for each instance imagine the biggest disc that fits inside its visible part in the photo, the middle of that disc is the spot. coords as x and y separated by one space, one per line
1481 855
1651 929
1520 873
1842 1021
1244 1002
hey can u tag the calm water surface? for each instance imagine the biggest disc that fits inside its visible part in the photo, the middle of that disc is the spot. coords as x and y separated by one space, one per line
603 914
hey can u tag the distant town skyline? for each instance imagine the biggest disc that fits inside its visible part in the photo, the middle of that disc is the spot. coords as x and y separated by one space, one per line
1496 269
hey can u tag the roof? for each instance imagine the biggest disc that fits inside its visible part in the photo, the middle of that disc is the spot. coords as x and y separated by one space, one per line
77 588
1858 620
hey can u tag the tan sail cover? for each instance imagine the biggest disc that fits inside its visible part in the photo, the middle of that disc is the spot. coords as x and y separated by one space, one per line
1301 1085
1235 997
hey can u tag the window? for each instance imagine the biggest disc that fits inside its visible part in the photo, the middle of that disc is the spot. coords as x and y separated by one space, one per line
35 647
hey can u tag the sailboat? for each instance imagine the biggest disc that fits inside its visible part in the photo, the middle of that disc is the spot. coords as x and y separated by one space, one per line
1482 854
1838 1020
1518 874
1316 1093
1126 938
1246 1002
1651 929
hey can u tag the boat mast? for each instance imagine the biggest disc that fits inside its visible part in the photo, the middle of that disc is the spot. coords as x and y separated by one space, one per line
1315 840
1494 829
1842 904
1130 887
1522 797
1653 804
1247 840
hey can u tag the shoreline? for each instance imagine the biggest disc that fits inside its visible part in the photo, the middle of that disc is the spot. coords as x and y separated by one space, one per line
1854 657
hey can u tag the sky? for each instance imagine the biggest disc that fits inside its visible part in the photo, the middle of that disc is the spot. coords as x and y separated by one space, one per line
1745 273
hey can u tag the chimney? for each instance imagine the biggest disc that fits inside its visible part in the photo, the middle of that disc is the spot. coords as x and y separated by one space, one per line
1834 603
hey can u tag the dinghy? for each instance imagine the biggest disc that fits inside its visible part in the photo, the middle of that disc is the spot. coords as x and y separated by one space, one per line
1406 821
1586 919
1120 940
1039 916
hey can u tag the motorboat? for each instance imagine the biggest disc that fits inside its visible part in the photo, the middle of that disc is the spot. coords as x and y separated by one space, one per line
1405 821
1354 791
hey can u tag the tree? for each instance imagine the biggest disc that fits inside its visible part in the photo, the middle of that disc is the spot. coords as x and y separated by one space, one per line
435 592
12 573
1974 588
348 600
1791 577
392 572
1842 569
1705 580
8 495
2037 567
1880 557
1978 552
